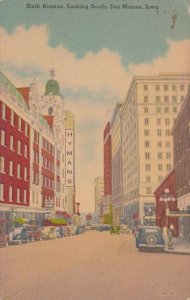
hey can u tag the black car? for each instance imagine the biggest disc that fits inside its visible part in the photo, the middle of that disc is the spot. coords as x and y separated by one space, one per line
19 235
149 237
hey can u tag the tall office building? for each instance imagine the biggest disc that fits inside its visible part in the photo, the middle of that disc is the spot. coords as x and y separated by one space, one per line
98 194
147 117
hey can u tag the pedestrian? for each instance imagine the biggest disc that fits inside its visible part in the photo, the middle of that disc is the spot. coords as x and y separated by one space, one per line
165 235
172 229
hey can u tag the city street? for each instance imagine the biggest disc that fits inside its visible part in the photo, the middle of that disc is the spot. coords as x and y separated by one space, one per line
91 266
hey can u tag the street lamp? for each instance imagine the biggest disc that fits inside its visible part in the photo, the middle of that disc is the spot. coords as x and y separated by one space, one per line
167 197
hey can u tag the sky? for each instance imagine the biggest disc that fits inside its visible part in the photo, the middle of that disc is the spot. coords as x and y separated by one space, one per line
95 54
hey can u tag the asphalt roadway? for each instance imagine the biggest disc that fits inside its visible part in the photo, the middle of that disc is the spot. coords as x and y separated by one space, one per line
91 266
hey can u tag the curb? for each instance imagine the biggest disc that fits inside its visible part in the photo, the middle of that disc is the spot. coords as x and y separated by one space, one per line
176 252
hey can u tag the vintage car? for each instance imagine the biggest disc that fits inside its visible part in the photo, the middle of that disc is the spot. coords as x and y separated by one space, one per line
124 229
19 235
59 232
3 238
149 237
115 229
103 227
48 232
35 234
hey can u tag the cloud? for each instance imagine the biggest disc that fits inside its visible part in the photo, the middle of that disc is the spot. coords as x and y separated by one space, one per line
91 86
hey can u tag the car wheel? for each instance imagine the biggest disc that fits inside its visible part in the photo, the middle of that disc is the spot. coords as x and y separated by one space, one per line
151 240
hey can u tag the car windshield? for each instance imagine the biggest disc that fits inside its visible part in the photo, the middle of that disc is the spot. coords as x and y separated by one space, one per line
152 230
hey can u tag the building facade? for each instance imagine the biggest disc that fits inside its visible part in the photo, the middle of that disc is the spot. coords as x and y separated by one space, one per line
117 198
99 194
147 117
181 136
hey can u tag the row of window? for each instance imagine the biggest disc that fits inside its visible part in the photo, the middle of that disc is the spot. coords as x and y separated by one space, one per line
49 147
159 121
11 169
165 99
160 155
160 167
160 132
10 197
21 148
148 178
21 124
159 144
160 109
166 87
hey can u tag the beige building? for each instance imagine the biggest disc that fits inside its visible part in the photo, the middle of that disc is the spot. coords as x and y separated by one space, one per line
147 117
98 194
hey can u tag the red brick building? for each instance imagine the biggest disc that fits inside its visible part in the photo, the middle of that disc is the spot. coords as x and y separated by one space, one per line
164 201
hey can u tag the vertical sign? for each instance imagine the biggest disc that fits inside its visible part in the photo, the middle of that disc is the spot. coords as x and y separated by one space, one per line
69 157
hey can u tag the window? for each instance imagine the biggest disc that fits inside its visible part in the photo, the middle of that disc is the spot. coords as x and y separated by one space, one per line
165 87
160 178
19 147
18 196
173 87
157 99
174 99
159 167
25 173
182 87
167 121
2 137
148 190
145 87
1 191
147 155
25 194
18 171
145 99
158 109
19 123
12 118
146 132
159 144
10 193
146 144
166 99
166 109
146 109
11 168
146 121
168 167
26 129
159 132
148 178
159 154
174 109
157 87
2 164
158 121
25 150
11 143
168 144
167 132
3 112
168 155
147 167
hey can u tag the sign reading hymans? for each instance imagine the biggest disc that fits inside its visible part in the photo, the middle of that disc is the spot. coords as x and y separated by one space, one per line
69 157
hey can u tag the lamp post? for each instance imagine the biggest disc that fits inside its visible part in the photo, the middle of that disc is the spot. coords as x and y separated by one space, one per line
167 197
150 214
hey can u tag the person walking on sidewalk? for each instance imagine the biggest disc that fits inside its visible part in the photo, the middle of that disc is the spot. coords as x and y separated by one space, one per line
165 235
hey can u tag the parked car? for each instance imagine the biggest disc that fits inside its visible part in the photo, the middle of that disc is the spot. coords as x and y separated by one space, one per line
103 227
35 233
3 238
59 232
48 232
19 235
149 237
115 229
124 229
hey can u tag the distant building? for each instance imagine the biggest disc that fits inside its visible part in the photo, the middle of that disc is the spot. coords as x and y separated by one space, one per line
98 194
107 201
181 136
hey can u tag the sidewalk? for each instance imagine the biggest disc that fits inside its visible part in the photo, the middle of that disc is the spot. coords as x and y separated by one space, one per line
180 246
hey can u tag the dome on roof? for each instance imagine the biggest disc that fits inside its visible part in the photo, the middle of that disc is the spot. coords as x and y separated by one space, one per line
52 86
